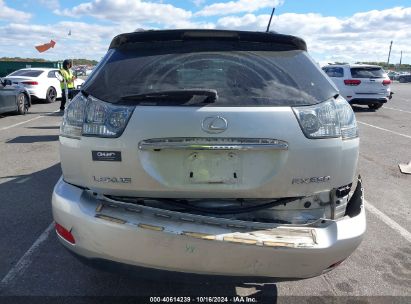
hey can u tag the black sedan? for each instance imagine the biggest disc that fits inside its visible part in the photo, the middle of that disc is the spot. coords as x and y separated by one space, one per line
13 97
404 78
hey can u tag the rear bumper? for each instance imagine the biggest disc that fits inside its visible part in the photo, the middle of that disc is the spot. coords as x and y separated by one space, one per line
36 92
368 101
154 238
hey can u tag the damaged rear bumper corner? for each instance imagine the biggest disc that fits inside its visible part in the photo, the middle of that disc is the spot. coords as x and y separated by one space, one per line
168 240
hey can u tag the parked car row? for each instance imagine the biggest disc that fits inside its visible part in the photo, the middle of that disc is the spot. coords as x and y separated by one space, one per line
400 76
404 78
82 70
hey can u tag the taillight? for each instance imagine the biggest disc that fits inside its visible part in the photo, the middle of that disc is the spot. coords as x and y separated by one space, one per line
64 233
332 118
88 116
30 82
386 82
352 82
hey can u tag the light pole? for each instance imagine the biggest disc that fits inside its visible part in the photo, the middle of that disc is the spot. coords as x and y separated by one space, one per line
401 59
389 54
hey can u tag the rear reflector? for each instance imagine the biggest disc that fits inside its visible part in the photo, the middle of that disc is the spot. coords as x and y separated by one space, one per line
386 82
65 234
30 82
352 82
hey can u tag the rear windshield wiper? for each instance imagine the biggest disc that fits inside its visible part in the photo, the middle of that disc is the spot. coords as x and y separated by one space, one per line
172 97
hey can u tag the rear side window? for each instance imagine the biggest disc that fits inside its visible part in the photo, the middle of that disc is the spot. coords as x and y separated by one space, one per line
241 78
27 73
334 72
365 72
52 74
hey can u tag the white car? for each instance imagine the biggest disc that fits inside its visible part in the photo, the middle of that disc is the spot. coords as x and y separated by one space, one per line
40 82
361 84
210 152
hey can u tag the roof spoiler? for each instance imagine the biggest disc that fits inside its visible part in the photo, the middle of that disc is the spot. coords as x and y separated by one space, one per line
196 34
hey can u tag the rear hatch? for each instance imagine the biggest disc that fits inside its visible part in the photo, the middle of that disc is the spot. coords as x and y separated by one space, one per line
374 81
212 118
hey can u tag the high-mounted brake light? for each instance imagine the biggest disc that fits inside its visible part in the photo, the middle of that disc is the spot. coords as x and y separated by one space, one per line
64 233
386 82
352 82
208 34
30 82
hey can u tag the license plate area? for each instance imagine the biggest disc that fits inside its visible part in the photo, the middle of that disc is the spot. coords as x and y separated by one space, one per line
213 167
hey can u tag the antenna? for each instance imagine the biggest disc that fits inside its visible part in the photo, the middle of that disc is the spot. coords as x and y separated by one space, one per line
269 22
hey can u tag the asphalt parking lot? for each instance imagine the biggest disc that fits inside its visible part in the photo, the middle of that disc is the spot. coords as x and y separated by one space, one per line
32 262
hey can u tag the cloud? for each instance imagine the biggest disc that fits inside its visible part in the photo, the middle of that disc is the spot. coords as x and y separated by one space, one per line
122 11
8 13
362 37
235 7
198 2
51 4
87 40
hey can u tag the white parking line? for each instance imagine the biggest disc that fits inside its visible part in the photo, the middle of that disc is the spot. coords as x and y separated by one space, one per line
25 260
23 180
397 109
5 179
26 121
20 123
388 221
379 128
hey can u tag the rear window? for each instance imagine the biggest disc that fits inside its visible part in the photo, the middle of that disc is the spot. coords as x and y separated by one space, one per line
241 78
365 72
27 73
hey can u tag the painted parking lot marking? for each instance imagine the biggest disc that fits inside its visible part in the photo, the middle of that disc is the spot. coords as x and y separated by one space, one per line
5 179
389 108
20 123
388 221
26 121
19 179
26 259
379 128
23 180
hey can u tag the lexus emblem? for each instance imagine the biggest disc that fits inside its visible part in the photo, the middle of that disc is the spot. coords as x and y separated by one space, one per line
214 124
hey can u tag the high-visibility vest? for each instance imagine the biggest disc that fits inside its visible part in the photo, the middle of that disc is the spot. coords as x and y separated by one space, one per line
68 76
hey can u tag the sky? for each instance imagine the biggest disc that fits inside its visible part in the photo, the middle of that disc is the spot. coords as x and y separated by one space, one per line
335 30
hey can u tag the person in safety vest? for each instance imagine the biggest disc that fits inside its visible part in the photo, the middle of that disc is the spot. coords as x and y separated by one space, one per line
67 85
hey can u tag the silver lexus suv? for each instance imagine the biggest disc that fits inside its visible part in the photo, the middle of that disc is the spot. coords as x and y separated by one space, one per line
210 152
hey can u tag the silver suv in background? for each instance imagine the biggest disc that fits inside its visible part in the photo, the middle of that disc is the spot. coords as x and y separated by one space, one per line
361 84
210 152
